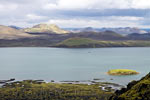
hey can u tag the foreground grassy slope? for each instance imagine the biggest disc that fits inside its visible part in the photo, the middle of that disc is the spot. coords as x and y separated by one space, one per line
89 43
136 90
31 90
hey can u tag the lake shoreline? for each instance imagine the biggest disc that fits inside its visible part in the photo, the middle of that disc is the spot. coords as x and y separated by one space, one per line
103 85
70 47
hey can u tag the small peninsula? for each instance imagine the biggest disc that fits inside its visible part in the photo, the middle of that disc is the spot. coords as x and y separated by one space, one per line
122 72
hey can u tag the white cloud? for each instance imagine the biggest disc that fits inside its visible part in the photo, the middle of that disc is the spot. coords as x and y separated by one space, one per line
141 4
29 12
69 4
35 17
98 4
8 7
112 21
87 4
125 18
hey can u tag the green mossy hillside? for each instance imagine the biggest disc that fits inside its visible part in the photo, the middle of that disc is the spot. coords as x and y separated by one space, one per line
71 42
78 42
136 90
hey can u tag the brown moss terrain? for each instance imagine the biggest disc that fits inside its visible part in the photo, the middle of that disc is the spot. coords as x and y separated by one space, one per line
45 28
11 33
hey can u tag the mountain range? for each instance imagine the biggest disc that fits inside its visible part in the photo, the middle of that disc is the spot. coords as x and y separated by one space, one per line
46 35
120 30
126 30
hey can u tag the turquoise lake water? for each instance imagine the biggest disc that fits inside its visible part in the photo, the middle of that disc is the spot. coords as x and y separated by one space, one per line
72 64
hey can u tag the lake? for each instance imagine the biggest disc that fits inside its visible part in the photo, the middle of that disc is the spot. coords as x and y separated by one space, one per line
72 64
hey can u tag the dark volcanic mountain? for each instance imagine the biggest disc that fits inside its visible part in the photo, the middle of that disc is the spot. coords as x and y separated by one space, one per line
121 30
126 30
107 35
136 36
15 27
86 29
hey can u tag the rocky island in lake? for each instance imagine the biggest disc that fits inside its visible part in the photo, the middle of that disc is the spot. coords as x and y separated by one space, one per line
122 72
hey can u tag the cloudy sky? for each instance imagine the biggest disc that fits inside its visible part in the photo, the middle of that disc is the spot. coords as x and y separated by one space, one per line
76 13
